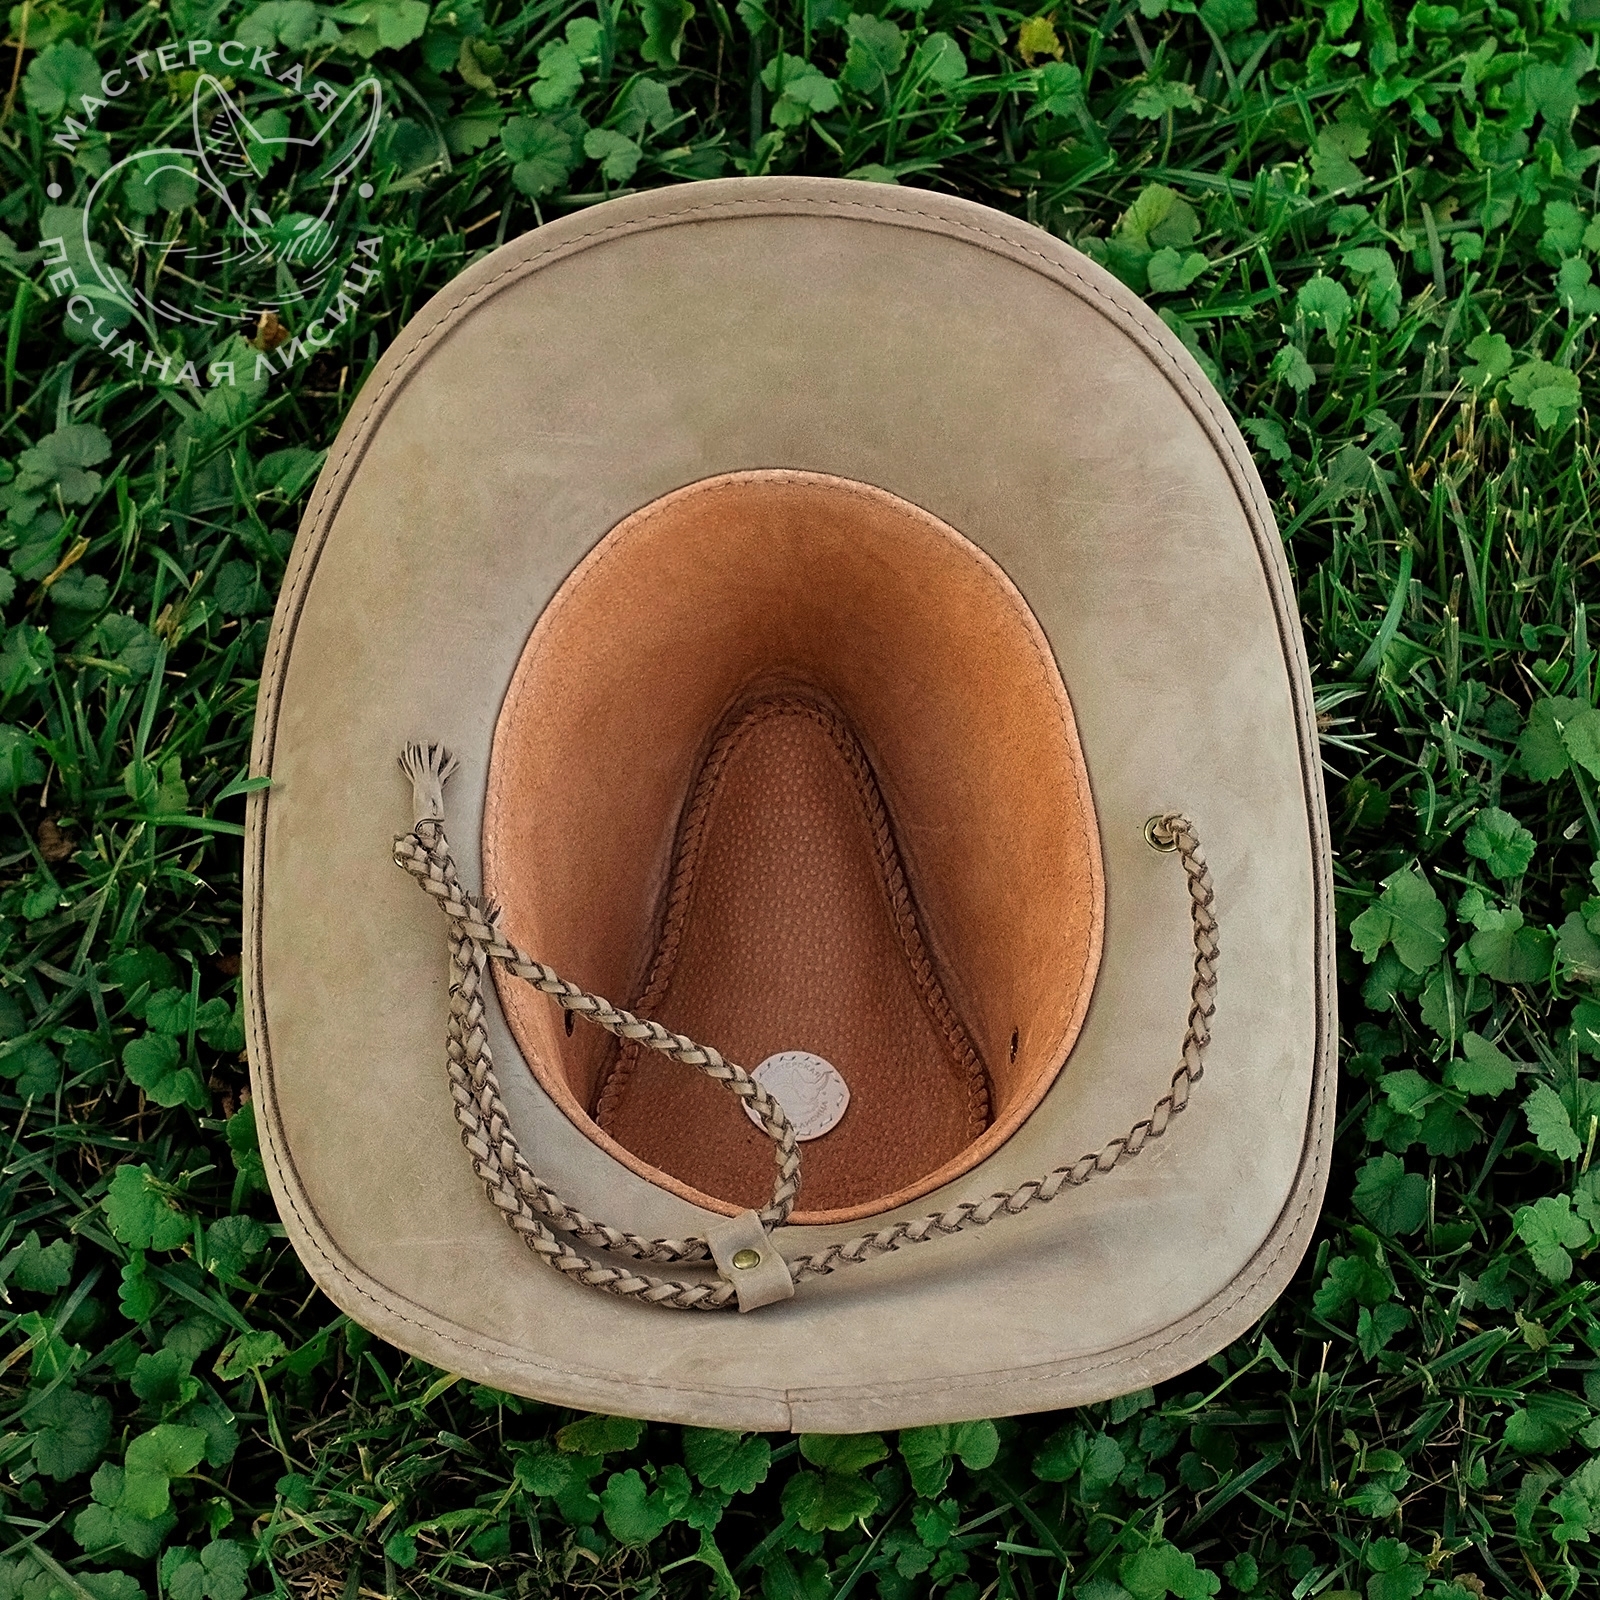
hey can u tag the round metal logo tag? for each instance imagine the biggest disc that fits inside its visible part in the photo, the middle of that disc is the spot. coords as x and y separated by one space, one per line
808 1088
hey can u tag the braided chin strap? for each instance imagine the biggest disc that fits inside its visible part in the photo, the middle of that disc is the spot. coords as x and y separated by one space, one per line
536 1212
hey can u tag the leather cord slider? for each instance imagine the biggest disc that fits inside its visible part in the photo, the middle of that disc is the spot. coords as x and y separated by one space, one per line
748 1259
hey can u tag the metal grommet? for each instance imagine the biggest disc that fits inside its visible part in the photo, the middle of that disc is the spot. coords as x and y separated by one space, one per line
745 1259
1154 839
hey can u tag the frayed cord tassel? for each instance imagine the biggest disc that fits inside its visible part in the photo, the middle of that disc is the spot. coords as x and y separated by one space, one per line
427 766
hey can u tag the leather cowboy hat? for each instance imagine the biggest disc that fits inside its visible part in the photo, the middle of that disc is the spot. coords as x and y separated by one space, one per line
859 649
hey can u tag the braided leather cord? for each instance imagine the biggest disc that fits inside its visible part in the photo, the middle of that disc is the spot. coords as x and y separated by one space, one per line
533 1210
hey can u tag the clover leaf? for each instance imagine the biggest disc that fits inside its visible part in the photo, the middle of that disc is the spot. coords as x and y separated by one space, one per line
542 153
1225 17
836 1497
843 1452
1563 227
617 154
1393 1200
232 1242
560 75
1491 358
250 1352
1574 289
1506 949
1577 1506
1269 436
383 25
939 60
57 80
218 1572
153 1460
1159 216
1550 1124
733 1462
1352 1280
1334 156
107 1523
1037 37
1324 303
1290 366
828 1501
216 1422
1103 1461
1551 1229
40 1268
664 24
161 1378
25 659
1059 1456
70 1431
636 1515
1409 916
245 1149
1162 1569
1559 732
805 90
1487 1070
290 22
1553 394
646 104
1169 271
600 1435
157 789
1578 945
60 460
564 1478
19 760
154 1062
1501 842
1377 1325
1397 1574
1376 266
1155 100
142 1212
929 1452
1545 1424
877 48
1060 91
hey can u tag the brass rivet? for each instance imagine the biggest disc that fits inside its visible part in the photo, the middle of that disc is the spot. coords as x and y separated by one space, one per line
745 1259
1154 839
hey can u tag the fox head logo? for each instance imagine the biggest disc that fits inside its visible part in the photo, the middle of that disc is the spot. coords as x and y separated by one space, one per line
243 217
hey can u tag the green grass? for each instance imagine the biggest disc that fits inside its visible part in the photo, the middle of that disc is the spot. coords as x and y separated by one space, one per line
1375 232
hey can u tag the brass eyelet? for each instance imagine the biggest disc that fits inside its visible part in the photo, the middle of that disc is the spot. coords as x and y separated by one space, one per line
1154 839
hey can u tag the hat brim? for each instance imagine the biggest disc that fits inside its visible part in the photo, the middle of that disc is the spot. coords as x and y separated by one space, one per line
989 374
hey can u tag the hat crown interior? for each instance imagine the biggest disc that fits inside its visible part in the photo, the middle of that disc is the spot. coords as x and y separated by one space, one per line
787 765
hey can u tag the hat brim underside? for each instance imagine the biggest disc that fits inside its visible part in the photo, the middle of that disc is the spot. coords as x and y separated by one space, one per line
992 376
